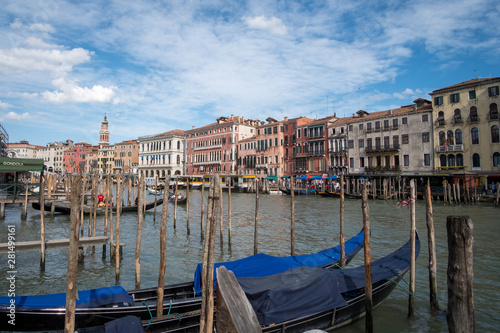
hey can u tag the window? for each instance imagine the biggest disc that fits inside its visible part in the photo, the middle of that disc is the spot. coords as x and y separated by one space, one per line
361 162
360 127
406 159
377 143
369 126
404 120
425 137
395 141
258 132
386 142
442 138
493 114
387 161
350 128
427 159
474 134
425 118
386 124
438 100
476 160
395 123
350 144
460 160
474 118
351 162
458 136
361 143
496 159
298 133
442 160
472 94
377 125
275 129
451 160
370 161
379 161
449 138
495 138
493 91
369 143
404 139
455 98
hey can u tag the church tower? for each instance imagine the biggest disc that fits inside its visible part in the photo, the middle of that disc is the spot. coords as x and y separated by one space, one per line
104 133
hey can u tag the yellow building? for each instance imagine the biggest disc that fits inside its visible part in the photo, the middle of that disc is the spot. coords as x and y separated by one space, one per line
466 127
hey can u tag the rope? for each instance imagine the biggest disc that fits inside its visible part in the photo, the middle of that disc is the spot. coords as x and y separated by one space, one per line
175 313
151 315
337 265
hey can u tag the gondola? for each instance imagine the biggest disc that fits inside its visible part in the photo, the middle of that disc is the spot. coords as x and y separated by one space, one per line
358 196
98 306
297 191
180 201
66 210
329 194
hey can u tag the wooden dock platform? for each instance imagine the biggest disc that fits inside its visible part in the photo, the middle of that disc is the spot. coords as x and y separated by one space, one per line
53 244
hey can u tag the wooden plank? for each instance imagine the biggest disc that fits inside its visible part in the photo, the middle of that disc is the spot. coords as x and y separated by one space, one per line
54 243
234 312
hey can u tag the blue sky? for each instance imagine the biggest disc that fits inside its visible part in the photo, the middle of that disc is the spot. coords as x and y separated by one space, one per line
154 66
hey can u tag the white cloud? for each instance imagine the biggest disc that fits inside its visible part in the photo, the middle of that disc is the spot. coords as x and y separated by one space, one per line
15 116
22 59
42 27
4 105
70 92
272 24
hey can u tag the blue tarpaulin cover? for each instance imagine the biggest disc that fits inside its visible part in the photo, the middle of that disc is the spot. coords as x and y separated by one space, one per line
86 299
307 290
262 264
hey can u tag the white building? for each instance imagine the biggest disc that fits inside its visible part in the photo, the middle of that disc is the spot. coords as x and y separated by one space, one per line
53 155
22 149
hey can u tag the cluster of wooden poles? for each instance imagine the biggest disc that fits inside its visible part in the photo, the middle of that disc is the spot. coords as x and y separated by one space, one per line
460 303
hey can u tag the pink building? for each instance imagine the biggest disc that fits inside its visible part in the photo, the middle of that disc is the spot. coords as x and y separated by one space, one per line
74 158
270 151
214 148
246 156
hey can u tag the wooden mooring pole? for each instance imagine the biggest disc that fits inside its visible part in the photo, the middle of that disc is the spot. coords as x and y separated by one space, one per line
163 254
292 218
24 212
432 250
175 202
118 212
42 225
71 290
156 198
229 208
202 229
342 236
368 263
411 298
460 274
256 228
207 307
221 211
140 218
188 229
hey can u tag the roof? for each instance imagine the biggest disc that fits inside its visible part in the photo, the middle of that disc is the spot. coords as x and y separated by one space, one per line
247 139
406 109
469 83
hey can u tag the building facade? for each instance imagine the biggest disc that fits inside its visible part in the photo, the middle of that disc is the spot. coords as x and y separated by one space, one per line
22 149
162 154
53 155
337 146
126 157
247 156
74 158
106 158
270 151
214 148
466 127
291 150
392 142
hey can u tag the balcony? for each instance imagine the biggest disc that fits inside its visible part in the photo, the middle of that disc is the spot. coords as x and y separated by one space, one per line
377 129
208 147
387 128
261 166
450 148
369 130
440 122
316 152
457 121
340 151
492 116
394 168
473 120
207 162
380 149
316 135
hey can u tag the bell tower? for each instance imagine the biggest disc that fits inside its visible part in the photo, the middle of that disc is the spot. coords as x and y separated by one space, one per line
104 133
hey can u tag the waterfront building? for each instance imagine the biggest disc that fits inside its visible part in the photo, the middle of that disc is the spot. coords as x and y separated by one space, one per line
106 158
466 128
213 148
290 145
126 157
247 156
312 152
269 151
337 146
91 160
4 139
53 155
74 158
22 149
392 142
162 154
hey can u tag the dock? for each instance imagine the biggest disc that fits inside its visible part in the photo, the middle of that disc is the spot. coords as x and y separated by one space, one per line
53 244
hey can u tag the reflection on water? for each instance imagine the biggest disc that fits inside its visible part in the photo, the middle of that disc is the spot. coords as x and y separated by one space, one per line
317 225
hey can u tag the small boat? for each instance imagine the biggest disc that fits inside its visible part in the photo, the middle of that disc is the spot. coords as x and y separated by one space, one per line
153 191
181 200
98 306
66 209
357 196
288 191
329 194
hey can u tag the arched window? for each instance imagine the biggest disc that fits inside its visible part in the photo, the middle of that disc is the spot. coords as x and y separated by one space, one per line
476 160
178 145
442 160
474 118
449 138
451 160
460 160
440 118
496 159
474 135
458 136
493 108
442 138
495 138
457 116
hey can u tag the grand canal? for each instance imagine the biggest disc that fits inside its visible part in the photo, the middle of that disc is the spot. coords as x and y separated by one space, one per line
317 227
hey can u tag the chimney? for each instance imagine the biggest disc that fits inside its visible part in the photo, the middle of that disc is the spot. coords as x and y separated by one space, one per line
286 118
390 112
414 107
193 127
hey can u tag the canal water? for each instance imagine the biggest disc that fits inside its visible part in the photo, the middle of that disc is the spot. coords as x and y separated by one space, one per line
317 228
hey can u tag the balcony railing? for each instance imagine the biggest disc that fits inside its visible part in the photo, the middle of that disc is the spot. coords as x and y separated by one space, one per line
208 147
440 122
317 135
449 148
316 152
473 119
492 116
457 121
337 151
261 165
207 162
385 148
